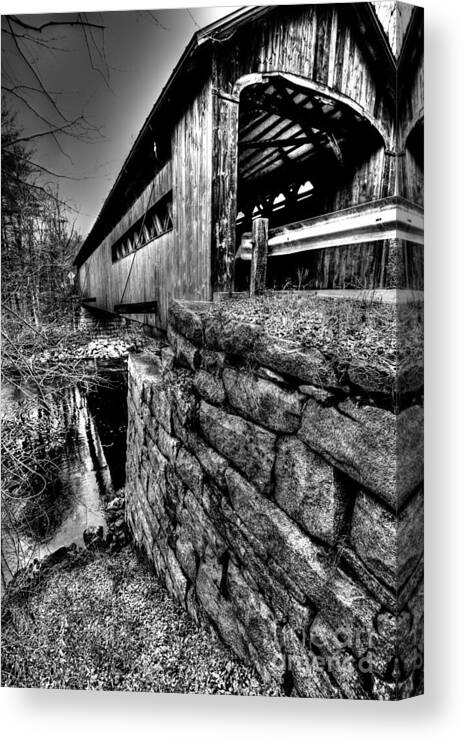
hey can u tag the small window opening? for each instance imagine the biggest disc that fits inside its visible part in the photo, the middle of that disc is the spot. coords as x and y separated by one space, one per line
157 221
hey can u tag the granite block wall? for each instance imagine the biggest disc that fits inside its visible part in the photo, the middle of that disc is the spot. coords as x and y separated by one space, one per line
282 506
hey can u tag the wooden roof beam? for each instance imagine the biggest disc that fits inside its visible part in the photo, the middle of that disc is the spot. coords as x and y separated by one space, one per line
289 142
308 120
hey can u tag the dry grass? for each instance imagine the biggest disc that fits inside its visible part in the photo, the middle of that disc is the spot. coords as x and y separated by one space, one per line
108 624
352 331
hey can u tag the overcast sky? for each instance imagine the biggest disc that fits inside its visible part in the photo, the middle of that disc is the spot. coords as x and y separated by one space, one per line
141 49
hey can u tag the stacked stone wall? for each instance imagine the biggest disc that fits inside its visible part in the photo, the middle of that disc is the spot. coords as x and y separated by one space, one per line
281 507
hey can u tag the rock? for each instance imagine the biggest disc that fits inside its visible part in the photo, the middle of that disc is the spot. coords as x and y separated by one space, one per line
185 318
390 545
167 356
160 405
60 555
178 579
309 490
211 462
321 395
308 671
199 523
185 554
186 353
348 608
280 355
189 471
212 360
301 560
343 651
263 401
246 445
210 387
93 536
374 537
356 567
167 444
116 503
269 375
367 444
216 606
258 620
182 398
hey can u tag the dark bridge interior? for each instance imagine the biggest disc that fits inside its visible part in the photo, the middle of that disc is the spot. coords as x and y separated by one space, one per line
298 152
296 148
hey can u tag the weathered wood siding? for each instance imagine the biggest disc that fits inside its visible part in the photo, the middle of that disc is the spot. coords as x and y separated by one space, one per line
323 44
317 42
367 181
148 273
411 111
192 162
94 278
389 263
99 277
176 264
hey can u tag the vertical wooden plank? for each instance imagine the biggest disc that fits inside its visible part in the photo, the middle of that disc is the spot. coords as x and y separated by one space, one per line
332 48
224 191
259 261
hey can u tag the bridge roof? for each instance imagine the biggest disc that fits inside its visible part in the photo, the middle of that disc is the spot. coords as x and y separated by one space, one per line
127 185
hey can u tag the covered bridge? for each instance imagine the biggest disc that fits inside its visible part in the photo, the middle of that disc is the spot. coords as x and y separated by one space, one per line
308 118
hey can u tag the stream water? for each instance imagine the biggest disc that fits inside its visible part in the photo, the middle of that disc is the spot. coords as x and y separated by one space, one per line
87 469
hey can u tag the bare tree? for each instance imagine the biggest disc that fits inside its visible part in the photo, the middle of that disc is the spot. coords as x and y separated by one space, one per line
26 88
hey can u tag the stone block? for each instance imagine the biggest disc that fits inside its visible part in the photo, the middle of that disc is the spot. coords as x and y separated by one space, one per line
186 353
389 544
186 320
199 524
310 677
161 408
143 369
364 442
178 579
213 464
348 603
246 445
189 471
212 360
182 398
304 562
263 401
208 589
309 490
174 494
283 356
185 553
167 357
209 387
350 561
168 445
258 620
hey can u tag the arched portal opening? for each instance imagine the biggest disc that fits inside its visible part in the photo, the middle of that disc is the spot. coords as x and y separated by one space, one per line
302 153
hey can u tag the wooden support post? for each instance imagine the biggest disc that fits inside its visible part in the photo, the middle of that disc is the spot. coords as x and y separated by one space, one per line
224 191
259 256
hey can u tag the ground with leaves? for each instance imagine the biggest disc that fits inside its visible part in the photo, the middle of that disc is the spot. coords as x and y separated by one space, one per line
375 343
106 623
360 327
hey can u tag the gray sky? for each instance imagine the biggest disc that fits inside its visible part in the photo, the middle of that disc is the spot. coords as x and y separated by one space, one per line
141 50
